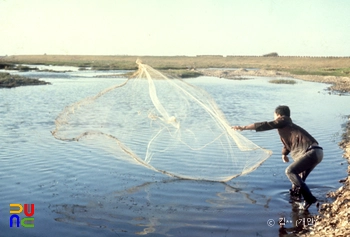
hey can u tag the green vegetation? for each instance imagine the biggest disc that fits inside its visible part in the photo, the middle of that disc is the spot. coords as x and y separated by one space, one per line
323 72
283 81
8 81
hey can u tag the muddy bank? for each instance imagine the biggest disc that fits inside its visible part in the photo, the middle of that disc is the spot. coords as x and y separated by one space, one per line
9 81
339 84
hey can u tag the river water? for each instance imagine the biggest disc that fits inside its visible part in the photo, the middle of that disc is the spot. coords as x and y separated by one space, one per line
79 190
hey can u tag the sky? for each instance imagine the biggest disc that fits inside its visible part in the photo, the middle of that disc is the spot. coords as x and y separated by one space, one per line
175 27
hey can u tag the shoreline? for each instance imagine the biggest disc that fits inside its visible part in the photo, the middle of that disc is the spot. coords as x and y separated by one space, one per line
338 83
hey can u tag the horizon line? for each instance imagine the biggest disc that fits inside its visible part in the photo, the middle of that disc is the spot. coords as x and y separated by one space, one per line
199 55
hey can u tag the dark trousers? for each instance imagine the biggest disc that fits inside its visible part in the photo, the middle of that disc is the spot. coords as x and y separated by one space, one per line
298 171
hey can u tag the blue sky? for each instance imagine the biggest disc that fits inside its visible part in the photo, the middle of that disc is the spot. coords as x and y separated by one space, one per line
175 27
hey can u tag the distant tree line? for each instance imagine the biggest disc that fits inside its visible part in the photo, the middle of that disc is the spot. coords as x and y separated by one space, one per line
274 54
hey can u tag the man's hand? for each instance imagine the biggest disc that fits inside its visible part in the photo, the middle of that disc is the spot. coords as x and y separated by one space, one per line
285 159
240 128
247 127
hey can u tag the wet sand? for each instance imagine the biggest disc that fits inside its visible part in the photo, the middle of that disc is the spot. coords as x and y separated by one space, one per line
333 218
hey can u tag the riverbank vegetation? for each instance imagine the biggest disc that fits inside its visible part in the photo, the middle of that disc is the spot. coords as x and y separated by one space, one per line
323 66
9 81
333 70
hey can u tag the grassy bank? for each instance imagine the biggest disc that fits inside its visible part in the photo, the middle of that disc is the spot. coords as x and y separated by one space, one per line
323 72
324 66
9 81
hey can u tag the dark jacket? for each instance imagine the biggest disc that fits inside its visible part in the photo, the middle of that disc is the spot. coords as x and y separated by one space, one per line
294 138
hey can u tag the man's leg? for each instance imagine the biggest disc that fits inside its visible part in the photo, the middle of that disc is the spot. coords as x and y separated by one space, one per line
304 165
295 191
303 175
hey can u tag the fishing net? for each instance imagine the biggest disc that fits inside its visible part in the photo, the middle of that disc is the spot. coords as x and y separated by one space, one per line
164 124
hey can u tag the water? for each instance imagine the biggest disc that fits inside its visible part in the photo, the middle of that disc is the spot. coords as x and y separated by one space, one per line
79 190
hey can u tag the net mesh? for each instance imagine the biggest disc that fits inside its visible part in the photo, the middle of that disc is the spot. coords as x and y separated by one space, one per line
164 124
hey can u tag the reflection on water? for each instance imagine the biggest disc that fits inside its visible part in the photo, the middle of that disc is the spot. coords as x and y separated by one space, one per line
161 206
296 223
82 190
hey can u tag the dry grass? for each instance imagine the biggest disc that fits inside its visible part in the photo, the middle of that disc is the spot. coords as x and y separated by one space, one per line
332 66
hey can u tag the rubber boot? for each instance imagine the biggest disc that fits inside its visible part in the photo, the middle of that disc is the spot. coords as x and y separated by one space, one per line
308 197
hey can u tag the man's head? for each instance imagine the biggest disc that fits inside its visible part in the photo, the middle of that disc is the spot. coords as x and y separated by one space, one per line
282 110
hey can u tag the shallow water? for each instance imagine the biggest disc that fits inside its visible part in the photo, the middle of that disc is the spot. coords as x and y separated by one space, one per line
79 190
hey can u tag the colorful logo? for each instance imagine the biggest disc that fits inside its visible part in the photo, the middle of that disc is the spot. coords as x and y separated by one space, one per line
28 221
